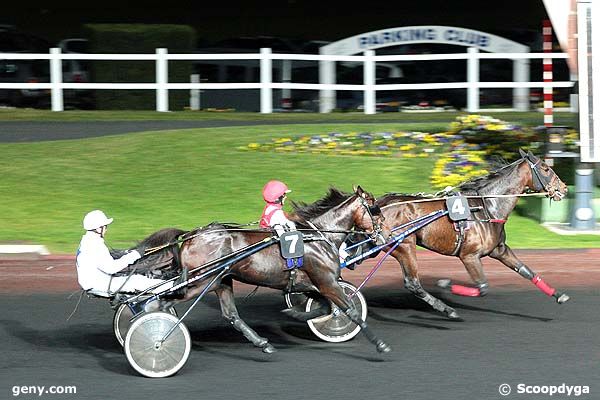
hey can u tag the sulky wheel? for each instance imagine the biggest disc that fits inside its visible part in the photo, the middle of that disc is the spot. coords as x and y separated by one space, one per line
337 326
149 352
295 299
123 316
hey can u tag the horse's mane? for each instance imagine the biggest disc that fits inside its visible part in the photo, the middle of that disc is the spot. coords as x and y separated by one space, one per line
306 211
501 169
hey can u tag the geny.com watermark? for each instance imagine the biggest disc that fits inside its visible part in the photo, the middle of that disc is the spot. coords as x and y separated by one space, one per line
570 390
43 390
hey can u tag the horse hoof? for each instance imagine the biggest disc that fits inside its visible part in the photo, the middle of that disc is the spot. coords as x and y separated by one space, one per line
452 314
563 298
269 349
444 283
382 347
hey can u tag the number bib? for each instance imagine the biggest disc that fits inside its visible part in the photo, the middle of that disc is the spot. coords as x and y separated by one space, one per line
458 208
291 244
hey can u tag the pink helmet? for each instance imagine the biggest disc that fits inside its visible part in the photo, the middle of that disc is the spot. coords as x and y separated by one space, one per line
273 190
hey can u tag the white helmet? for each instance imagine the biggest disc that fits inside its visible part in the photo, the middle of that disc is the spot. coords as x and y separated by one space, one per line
95 219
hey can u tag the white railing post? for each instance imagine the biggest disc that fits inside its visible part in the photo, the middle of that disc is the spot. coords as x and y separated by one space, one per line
473 80
369 82
195 93
266 78
56 79
162 78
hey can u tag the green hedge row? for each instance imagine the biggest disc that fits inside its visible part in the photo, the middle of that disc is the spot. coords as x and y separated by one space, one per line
137 39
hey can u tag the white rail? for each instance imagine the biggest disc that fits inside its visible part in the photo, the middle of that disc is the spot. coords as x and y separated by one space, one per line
266 85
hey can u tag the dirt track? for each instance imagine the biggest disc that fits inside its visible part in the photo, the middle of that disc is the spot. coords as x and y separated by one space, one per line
560 268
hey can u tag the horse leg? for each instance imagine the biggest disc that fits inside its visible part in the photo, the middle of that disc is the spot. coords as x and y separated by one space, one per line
408 262
335 294
505 255
297 313
229 310
474 267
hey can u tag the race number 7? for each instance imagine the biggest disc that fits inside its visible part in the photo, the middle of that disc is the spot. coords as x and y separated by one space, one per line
294 240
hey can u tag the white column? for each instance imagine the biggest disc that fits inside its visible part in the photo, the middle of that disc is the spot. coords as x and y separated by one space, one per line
521 74
56 79
162 77
369 82
266 78
473 80
195 93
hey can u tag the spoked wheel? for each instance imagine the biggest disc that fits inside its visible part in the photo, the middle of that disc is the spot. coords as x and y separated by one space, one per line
149 352
295 299
337 326
122 319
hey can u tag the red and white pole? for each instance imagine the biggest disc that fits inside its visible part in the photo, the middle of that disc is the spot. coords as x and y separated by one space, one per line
548 100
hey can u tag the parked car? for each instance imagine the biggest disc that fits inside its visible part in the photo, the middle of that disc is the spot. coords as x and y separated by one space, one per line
23 71
76 71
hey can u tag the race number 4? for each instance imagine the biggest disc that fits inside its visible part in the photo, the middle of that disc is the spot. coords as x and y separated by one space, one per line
458 208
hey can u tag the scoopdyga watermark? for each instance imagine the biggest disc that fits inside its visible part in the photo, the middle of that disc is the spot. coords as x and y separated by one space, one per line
549 390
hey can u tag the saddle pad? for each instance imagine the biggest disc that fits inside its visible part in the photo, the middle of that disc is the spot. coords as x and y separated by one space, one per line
291 244
458 208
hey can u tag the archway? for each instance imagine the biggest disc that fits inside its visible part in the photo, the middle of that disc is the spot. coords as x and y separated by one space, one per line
474 40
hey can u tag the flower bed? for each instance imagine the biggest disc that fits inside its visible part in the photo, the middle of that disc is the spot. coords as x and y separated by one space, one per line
472 144
378 144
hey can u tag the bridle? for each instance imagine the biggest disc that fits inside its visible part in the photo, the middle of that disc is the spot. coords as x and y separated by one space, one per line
373 211
542 182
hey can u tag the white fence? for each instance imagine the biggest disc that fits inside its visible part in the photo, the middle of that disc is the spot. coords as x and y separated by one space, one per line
266 85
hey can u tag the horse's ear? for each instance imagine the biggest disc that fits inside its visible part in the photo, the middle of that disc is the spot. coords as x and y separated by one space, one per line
358 190
531 155
354 188
522 153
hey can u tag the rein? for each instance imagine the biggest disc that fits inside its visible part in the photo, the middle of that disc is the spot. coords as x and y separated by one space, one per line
468 197
158 248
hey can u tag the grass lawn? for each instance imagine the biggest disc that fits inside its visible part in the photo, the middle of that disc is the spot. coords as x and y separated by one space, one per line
188 178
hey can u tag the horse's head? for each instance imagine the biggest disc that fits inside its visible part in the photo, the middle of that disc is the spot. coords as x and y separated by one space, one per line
543 178
369 217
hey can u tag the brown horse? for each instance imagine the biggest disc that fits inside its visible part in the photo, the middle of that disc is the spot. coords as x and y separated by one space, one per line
318 275
483 235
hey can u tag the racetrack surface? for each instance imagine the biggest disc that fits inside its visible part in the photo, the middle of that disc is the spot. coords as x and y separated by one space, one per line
514 335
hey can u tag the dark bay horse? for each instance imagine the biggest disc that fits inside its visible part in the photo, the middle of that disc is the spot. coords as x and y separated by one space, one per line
483 236
320 271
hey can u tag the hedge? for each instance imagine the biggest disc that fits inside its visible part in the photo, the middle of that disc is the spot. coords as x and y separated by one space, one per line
138 39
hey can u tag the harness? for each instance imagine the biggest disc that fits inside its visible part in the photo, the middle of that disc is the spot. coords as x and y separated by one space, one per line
539 182
459 212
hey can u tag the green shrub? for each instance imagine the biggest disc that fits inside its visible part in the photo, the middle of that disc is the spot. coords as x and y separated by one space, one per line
138 39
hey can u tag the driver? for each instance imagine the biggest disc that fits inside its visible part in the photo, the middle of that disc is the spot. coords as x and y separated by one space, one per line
274 194
96 266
